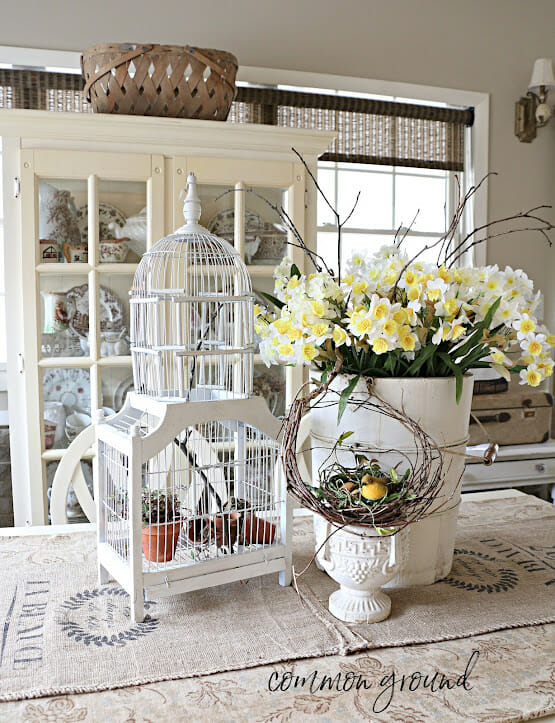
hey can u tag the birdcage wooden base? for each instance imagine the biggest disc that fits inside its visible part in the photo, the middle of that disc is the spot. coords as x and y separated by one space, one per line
156 585
198 453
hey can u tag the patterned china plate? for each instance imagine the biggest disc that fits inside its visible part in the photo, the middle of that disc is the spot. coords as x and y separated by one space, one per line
72 387
111 309
106 214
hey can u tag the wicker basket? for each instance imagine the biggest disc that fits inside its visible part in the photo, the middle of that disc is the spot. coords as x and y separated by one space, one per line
159 80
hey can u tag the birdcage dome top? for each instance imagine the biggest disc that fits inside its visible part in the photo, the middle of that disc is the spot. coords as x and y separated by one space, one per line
188 252
192 321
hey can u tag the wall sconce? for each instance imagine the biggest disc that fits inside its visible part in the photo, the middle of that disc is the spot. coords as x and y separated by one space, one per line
532 111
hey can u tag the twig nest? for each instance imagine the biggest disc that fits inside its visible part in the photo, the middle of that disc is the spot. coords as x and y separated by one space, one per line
382 488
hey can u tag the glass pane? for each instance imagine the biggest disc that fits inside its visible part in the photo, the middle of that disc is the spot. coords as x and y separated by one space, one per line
217 204
413 244
64 315
373 167
66 405
122 220
114 314
421 171
116 382
350 243
425 195
61 238
74 512
326 181
265 232
374 207
270 384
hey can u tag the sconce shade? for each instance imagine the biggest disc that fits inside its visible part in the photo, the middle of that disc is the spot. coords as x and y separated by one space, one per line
542 74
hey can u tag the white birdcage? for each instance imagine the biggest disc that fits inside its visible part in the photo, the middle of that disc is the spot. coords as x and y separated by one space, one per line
192 323
191 492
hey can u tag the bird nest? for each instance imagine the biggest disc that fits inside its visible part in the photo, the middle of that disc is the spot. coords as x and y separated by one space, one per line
384 489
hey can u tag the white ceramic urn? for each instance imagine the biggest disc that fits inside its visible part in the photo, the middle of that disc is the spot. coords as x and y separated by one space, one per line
361 562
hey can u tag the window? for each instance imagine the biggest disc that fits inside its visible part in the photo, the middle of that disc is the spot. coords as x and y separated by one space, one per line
391 198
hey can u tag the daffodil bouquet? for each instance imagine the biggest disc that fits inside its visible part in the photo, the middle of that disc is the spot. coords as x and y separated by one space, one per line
390 316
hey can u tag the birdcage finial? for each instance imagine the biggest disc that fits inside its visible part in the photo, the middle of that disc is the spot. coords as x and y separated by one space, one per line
191 207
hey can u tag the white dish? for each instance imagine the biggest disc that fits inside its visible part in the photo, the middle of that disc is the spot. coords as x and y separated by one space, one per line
106 215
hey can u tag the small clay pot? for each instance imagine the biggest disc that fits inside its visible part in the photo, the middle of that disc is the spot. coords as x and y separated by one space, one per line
160 541
255 530
225 528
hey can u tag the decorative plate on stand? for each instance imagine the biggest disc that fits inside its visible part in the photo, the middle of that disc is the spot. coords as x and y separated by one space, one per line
121 392
106 215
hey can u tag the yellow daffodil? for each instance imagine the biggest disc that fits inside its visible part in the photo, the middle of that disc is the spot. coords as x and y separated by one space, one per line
285 349
360 287
309 352
339 335
318 308
379 345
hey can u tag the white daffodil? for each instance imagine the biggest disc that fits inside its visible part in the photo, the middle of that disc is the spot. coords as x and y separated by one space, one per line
524 325
534 344
531 376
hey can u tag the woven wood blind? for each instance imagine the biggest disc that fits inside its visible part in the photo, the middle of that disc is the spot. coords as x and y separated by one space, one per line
42 91
368 131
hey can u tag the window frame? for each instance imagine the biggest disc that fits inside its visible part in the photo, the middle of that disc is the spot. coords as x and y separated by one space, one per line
476 140
391 173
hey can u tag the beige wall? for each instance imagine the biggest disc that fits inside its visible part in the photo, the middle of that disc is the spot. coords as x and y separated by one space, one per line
481 45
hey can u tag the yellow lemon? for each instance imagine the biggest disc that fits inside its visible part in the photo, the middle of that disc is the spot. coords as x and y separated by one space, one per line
374 490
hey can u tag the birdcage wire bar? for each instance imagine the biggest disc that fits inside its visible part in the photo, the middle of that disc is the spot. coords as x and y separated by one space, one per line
192 322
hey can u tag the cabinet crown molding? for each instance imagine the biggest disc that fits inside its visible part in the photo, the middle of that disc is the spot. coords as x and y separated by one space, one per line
130 133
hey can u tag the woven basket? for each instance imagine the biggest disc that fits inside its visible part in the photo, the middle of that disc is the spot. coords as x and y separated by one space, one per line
159 80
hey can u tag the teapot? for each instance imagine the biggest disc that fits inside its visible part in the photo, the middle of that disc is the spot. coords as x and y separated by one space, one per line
134 231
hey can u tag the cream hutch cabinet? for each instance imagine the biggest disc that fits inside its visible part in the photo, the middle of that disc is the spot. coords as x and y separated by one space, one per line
68 277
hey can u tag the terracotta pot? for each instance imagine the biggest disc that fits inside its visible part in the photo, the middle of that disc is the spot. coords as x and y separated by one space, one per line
160 541
255 530
225 528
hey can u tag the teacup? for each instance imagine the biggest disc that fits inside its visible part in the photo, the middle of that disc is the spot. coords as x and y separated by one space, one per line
49 433
113 251
54 412
76 423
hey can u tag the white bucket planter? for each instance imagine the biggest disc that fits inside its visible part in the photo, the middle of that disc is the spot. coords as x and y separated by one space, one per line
361 564
431 402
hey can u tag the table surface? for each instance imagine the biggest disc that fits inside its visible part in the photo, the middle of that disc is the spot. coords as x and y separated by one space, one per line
510 679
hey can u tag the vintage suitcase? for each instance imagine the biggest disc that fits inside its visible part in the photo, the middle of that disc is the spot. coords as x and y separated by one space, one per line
522 416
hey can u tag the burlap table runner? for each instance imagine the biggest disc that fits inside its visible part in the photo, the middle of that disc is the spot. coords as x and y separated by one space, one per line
62 633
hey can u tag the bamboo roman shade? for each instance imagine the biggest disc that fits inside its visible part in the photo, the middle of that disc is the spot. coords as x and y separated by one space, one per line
368 131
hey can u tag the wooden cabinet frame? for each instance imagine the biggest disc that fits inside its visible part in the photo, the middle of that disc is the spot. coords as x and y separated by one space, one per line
159 152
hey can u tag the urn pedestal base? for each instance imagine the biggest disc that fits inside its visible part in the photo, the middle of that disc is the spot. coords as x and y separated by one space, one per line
359 606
